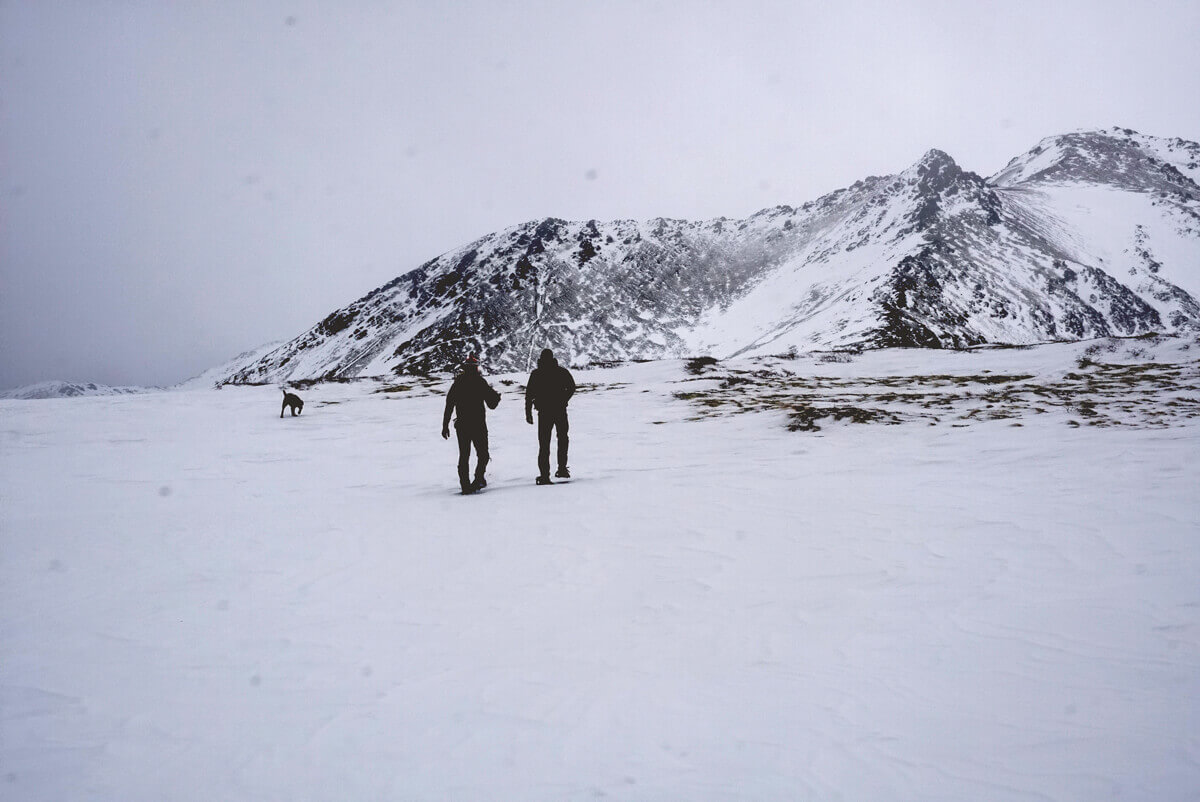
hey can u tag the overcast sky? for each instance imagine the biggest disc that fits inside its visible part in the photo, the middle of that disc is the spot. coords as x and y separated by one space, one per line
182 181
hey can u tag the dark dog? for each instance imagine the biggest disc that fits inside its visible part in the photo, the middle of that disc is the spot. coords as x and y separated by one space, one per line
291 400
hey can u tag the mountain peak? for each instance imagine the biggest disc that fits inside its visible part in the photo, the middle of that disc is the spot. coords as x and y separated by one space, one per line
1113 156
934 173
936 158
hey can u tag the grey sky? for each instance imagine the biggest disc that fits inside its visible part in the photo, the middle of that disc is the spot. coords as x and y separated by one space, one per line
183 181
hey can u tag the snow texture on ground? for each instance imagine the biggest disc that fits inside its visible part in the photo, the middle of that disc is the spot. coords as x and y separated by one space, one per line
201 601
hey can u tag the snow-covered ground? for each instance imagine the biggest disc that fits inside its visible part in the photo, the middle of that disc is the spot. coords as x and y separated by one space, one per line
201 601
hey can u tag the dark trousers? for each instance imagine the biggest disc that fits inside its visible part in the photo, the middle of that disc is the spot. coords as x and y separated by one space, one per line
471 436
549 421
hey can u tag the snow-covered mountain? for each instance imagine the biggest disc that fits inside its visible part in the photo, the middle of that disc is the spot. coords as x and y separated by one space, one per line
63 389
1088 234
216 375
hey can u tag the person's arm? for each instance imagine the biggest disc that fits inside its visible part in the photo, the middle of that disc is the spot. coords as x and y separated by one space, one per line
446 416
529 400
568 385
491 396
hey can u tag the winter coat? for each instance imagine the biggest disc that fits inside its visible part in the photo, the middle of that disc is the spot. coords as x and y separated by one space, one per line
469 392
550 387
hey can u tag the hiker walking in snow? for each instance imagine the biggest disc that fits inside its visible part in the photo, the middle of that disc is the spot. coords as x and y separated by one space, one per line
549 389
469 392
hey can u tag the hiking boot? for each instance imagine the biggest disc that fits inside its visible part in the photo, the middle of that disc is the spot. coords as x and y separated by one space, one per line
543 480
563 473
468 489
479 484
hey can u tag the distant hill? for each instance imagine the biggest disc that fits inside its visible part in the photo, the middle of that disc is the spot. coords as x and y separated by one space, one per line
61 389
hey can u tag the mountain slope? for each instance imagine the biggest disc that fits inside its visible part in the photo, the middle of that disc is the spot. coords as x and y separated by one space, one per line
1086 235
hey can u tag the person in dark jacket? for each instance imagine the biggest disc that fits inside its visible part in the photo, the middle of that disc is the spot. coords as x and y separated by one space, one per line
549 389
468 394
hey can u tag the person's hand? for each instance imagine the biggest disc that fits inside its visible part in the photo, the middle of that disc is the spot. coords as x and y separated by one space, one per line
445 432
529 419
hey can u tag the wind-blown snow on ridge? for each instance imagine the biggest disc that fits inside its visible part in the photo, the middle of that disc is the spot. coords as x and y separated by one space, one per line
1087 235
1115 156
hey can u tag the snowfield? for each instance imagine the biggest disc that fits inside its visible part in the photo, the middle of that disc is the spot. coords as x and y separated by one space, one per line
200 601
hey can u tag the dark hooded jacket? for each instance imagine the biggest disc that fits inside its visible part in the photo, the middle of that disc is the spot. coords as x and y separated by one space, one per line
469 392
550 387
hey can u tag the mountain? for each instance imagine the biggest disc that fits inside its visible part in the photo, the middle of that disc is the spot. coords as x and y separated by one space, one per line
217 375
1088 234
62 389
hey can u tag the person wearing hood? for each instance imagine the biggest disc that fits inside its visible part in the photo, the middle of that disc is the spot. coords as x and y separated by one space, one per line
549 389
468 395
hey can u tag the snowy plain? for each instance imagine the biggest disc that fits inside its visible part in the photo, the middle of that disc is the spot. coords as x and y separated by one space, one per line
201 601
